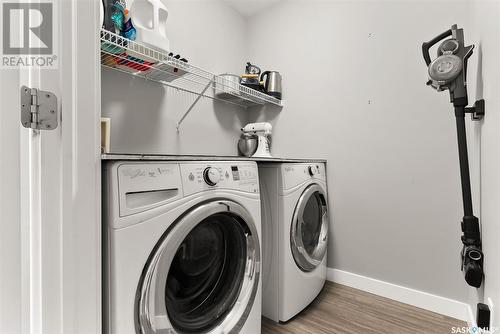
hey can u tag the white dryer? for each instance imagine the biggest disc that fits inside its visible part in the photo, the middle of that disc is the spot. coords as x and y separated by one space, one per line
181 247
295 235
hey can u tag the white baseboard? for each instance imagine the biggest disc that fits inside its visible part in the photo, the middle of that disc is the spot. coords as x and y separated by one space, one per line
471 321
438 304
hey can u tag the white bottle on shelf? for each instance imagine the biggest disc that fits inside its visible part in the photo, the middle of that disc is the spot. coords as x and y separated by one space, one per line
150 20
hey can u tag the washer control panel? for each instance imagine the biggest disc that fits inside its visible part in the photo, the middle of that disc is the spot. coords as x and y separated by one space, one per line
200 176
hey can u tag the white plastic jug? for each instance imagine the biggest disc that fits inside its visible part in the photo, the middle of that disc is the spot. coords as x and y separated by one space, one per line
150 20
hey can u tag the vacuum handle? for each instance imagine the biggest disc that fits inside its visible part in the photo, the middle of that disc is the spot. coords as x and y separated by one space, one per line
466 59
427 45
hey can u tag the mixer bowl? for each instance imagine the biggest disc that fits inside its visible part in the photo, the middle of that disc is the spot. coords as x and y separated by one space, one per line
247 145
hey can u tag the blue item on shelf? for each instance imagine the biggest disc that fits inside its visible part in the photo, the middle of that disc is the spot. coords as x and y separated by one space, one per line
129 30
118 15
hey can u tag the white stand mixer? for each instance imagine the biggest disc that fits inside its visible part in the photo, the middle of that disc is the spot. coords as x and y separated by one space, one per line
262 131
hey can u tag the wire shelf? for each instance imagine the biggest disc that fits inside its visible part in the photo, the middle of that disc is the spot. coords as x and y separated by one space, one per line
121 54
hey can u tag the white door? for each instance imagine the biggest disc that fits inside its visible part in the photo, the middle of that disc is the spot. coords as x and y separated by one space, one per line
50 277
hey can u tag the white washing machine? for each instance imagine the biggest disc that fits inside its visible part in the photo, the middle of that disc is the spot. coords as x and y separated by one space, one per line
295 235
181 248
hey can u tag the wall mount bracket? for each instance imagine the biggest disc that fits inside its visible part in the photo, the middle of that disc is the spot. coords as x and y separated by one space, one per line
476 111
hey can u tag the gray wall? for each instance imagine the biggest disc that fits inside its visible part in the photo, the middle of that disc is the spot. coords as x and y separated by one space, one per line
354 86
355 94
484 141
144 114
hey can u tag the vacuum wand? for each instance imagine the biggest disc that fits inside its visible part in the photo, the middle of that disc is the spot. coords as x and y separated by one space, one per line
472 256
448 72
464 161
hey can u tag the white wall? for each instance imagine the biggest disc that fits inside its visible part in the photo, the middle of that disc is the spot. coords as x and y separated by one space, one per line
354 86
484 141
143 115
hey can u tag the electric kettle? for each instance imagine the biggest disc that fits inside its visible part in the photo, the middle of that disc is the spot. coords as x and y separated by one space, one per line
272 84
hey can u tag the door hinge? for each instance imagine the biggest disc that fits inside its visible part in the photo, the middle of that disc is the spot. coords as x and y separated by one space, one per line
38 109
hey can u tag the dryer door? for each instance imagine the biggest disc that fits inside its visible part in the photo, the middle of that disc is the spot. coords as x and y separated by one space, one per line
309 232
203 275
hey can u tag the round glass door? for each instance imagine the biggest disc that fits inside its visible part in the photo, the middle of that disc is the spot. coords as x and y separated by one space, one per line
203 275
309 232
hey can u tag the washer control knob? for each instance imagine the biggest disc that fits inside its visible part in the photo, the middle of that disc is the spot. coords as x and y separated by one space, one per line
211 176
312 170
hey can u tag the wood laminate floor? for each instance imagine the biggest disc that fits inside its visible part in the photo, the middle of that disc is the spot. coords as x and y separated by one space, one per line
343 310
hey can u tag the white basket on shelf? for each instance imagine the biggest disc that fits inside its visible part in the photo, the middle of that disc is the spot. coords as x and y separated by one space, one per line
227 86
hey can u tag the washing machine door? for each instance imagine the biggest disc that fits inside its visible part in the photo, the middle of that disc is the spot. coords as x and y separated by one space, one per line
309 230
202 276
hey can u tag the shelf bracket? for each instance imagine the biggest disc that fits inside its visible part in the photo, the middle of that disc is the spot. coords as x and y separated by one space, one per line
200 95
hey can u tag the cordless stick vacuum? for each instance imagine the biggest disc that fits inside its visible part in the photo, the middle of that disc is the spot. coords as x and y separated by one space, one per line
448 72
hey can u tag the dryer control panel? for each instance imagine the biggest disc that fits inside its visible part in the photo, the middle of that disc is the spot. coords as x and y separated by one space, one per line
200 176
294 174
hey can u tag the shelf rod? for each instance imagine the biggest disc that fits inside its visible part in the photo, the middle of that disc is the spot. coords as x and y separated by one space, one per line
200 95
